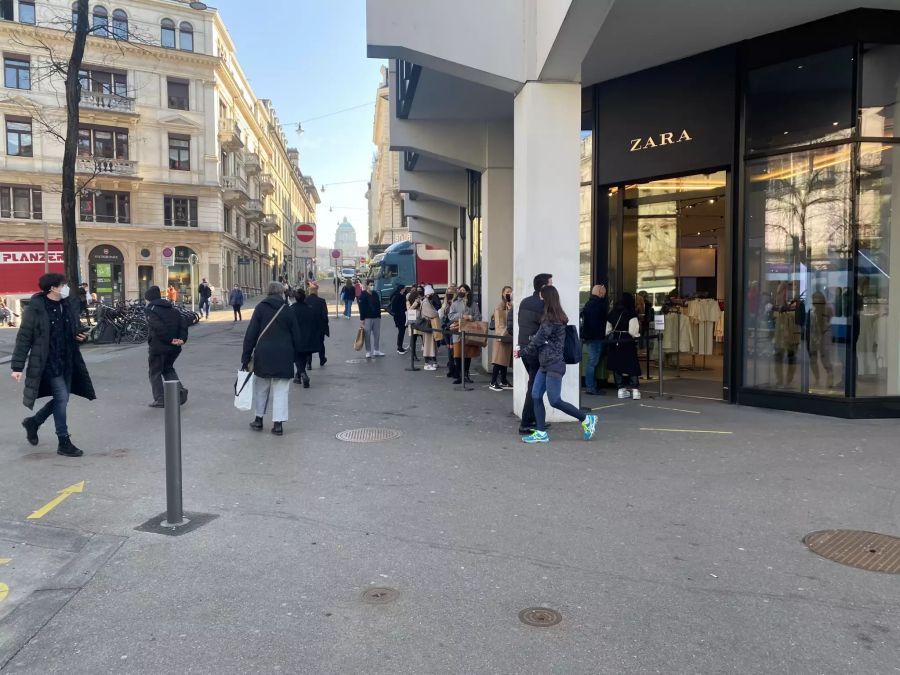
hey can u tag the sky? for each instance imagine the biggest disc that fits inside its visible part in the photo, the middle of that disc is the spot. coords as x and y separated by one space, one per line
309 58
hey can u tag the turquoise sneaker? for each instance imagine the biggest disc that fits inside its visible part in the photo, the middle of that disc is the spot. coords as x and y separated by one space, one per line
590 426
536 437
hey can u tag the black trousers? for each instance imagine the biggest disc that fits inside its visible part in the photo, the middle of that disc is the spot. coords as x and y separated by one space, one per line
303 361
401 333
162 367
237 312
532 367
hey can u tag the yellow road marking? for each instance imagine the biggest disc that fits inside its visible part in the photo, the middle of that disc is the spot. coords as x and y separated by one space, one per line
5 561
4 591
63 495
689 431
604 407
659 407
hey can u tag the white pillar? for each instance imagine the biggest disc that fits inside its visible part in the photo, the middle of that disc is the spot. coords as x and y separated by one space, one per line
547 166
497 236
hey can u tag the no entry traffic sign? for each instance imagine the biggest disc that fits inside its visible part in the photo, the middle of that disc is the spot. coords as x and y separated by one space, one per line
305 232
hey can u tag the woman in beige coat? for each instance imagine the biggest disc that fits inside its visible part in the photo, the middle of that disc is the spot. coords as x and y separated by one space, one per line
501 354
429 349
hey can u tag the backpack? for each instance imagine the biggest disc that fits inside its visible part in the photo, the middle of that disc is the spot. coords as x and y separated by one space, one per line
572 346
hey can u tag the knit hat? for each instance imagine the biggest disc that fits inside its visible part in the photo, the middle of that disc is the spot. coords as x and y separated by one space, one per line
153 293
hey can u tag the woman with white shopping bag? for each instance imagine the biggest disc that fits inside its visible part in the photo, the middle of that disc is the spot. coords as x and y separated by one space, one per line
271 343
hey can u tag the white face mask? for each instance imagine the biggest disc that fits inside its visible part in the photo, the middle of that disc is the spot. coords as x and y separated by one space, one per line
64 291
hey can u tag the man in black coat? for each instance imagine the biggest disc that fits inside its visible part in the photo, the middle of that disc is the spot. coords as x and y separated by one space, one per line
205 292
320 313
48 339
310 335
168 332
593 333
397 309
531 312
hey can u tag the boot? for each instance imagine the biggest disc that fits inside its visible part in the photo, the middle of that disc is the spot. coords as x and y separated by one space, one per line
457 371
31 429
182 396
305 383
257 424
67 448
468 363
277 429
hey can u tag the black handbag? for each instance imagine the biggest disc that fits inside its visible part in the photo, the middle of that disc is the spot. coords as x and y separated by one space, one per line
422 325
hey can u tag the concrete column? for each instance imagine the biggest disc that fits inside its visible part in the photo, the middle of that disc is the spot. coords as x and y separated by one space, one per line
547 174
497 235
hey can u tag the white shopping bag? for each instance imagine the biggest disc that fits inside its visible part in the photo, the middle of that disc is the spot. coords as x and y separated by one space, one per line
243 390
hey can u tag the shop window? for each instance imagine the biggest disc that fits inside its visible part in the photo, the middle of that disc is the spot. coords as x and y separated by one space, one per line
23 203
180 211
167 33
26 12
585 223
16 72
100 24
18 137
103 206
185 37
178 94
179 153
801 102
880 91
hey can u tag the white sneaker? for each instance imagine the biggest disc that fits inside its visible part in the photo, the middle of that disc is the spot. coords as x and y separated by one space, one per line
368 355
377 353
636 394
624 393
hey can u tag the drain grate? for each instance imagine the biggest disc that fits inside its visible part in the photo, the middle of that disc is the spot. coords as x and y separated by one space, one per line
540 617
368 435
865 550
380 595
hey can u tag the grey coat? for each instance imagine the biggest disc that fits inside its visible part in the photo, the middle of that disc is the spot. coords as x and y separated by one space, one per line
459 309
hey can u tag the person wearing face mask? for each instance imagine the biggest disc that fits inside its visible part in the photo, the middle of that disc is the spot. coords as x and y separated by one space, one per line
429 312
49 341
370 319
501 355
464 308
444 313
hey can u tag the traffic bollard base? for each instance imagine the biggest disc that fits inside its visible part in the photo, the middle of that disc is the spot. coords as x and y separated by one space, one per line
192 521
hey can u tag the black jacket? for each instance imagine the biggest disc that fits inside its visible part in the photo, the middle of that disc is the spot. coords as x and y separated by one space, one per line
320 313
369 305
547 345
310 335
531 311
33 344
273 353
398 309
593 316
204 291
166 324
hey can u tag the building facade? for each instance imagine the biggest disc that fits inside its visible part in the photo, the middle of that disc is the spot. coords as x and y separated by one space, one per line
176 155
386 219
345 239
742 180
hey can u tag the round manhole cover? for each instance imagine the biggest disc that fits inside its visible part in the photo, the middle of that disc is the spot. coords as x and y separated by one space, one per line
865 550
368 435
540 617
380 596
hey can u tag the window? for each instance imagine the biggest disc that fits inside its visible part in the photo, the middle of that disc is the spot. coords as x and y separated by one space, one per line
26 11
178 95
179 153
6 10
16 73
105 143
120 25
18 137
226 220
186 37
21 202
102 206
104 82
180 211
880 91
167 34
101 22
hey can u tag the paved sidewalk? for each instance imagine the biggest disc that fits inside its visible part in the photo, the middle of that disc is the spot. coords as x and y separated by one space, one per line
665 550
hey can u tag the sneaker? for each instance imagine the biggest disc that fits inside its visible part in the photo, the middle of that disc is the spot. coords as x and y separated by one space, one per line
506 385
536 437
377 353
624 393
430 366
368 355
401 351
495 387
589 425
636 394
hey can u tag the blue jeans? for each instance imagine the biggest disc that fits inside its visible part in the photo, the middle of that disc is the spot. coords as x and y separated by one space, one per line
551 383
595 353
348 304
56 406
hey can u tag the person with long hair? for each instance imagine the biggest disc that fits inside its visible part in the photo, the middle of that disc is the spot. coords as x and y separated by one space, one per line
622 331
464 308
501 355
547 346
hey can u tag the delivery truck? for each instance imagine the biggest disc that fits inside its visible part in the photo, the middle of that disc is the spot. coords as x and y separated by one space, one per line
410 264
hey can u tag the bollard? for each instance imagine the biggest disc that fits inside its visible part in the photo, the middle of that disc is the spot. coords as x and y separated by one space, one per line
174 512
659 354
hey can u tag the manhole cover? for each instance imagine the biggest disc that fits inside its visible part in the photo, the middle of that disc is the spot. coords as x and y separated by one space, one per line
368 435
540 617
380 596
866 550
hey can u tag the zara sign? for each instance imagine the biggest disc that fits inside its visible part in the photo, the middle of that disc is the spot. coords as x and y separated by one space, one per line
666 138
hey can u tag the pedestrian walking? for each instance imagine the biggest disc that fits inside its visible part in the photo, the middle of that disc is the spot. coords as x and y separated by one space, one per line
168 333
172 294
531 313
623 330
464 308
205 292
320 314
397 309
271 342
430 313
546 345
593 333
48 340
308 326
370 319
236 300
501 352
357 288
348 295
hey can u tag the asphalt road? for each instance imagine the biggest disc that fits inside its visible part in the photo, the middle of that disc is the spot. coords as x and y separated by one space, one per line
664 551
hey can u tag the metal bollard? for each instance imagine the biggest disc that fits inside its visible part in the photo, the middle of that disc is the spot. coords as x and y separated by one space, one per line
174 511
659 354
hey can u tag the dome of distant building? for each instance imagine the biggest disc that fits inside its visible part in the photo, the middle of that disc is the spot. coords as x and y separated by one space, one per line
345 238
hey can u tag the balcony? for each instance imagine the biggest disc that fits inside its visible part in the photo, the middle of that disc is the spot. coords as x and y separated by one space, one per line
269 224
230 136
266 184
253 210
103 167
95 100
251 164
234 190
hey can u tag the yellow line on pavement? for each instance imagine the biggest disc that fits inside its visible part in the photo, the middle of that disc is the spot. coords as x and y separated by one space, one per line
56 501
689 431
659 407
604 407
4 591
5 561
